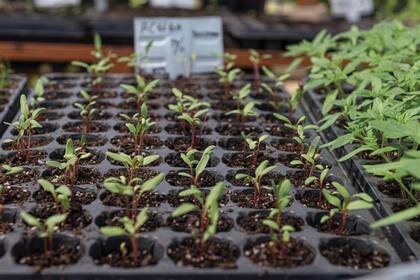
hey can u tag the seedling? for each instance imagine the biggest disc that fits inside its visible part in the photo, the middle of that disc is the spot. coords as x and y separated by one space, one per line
136 4
200 165
5 72
72 157
194 120
207 208
138 125
87 110
134 189
246 112
61 194
45 230
240 95
345 203
26 123
280 237
132 163
321 180
254 146
309 160
256 179
39 89
256 59
135 60
283 198
227 73
7 170
141 90
298 128
102 65
130 227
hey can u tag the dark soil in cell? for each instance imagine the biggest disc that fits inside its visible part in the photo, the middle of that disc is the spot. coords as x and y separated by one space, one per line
50 116
236 144
153 222
37 157
251 222
37 141
52 105
392 188
234 119
91 140
101 94
184 143
287 145
149 199
265 252
14 194
126 144
122 128
85 176
176 129
245 199
144 173
54 95
223 105
77 217
280 131
353 225
244 160
174 200
207 179
100 105
402 205
310 199
175 160
266 180
236 129
94 158
30 251
81 127
26 175
101 115
191 223
108 253
217 253
130 105
78 196
353 253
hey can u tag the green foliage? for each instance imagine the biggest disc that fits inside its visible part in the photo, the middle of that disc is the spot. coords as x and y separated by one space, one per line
61 194
254 146
87 109
72 157
132 163
263 169
5 72
44 229
196 167
141 90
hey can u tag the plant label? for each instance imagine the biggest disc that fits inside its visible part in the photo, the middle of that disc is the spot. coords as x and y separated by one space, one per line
352 10
56 3
181 46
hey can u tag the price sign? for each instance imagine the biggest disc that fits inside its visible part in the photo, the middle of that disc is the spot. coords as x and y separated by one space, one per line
181 46
352 10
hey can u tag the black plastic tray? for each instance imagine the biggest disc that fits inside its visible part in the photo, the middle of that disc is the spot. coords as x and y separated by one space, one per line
166 269
10 108
274 33
399 234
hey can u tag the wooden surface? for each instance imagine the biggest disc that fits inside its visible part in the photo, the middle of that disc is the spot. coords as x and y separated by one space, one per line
65 53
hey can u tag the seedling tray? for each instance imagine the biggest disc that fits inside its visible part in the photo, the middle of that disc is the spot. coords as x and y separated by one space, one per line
9 99
403 234
61 113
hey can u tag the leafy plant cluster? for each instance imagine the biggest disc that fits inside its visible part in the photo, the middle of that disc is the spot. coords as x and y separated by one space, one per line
369 82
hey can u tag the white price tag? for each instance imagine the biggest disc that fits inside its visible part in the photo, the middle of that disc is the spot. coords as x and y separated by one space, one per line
352 10
181 46
56 3
182 4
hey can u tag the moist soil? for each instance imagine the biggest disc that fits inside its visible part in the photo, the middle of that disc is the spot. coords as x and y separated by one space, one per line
14 194
218 253
184 143
244 159
78 196
88 176
244 199
351 256
61 255
191 223
266 253
149 199
207 179
251 223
